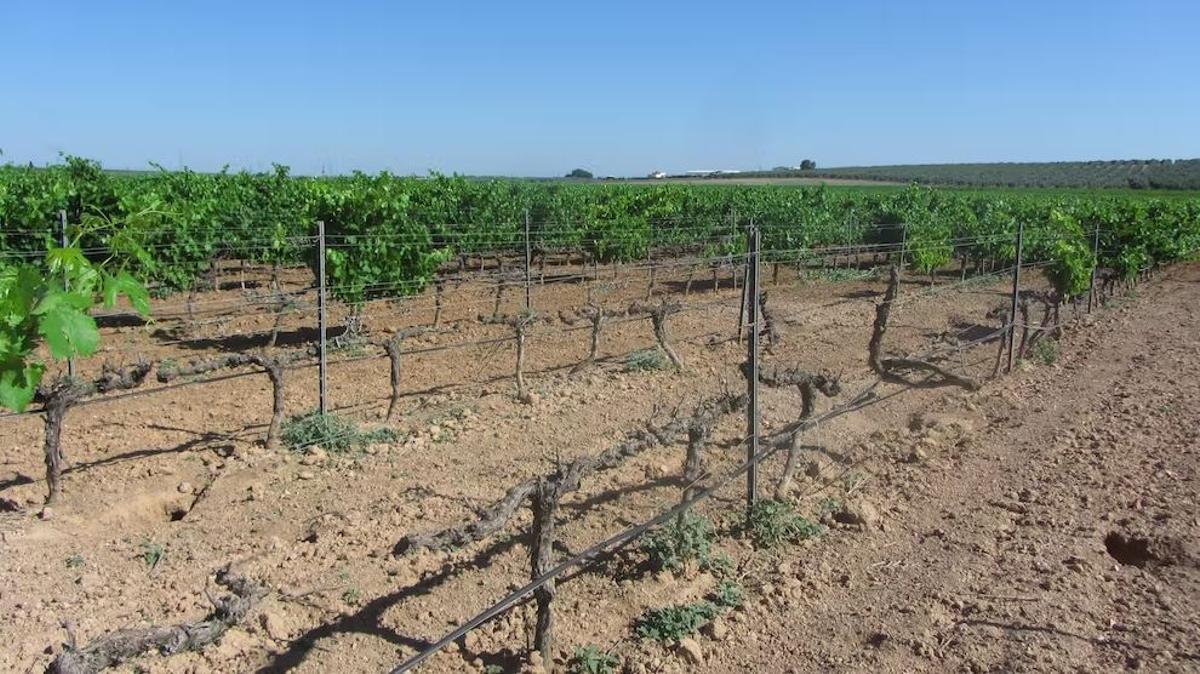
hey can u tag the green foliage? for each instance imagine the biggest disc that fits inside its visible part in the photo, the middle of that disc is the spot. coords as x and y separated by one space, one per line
647 360
688 538
377 248
728 594
675 622
1071 257
330 432
591 660
1045 351
152 554
580 173
774 522
829 505
387 235
50 303
75 561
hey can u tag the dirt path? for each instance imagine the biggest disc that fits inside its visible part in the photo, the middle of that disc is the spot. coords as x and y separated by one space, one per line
1060 537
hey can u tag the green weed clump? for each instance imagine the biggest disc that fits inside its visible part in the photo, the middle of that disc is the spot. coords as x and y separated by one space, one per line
688 538
331 432
774 522
675 622
152 554
728 594
646 360
1045 352
591 660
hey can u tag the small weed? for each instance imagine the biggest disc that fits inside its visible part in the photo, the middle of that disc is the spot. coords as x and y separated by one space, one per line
686 539
152 554
774 522
829 505
1045 352
352 595
719 565
728 594
331 432
675 622
591 660
853 481
350 349
646 360
75 561
493 669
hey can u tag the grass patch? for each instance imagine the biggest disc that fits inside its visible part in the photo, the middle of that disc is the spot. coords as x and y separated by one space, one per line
647 360
775 522
1045 352
331 432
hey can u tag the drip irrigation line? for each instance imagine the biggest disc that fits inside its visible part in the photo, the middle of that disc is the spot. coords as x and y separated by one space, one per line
614 543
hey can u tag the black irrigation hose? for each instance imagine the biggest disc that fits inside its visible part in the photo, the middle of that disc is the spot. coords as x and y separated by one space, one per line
614 543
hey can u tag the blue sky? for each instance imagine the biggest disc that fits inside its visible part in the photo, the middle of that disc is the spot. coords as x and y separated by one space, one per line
621 88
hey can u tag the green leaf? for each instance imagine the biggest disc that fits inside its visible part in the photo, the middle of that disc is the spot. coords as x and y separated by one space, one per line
69 260
59 299
18 383
69 331
18 293
124 284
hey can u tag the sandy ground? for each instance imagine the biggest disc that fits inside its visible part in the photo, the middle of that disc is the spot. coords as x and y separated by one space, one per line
1096 444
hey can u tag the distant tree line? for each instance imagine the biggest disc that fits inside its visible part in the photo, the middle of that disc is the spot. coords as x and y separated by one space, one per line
1169 174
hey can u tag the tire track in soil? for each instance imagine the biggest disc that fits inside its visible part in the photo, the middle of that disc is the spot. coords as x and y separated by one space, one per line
994 557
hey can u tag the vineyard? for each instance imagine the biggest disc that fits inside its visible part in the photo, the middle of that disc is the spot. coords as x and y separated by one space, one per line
487 425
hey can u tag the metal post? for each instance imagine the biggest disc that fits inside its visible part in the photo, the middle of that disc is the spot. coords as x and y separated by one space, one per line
1016 292
528 262
322 367
62 239
745 290
752 415
1095 266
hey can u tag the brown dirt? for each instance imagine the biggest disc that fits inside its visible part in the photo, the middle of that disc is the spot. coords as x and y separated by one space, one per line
1058 534
937 580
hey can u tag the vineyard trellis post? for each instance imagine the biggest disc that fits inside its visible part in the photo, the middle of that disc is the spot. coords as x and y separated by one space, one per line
541 552
752 412
1016 292
322 369
1095 268
62 240
528 262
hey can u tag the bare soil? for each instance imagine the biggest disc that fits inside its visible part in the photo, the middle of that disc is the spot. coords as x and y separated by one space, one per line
986 548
